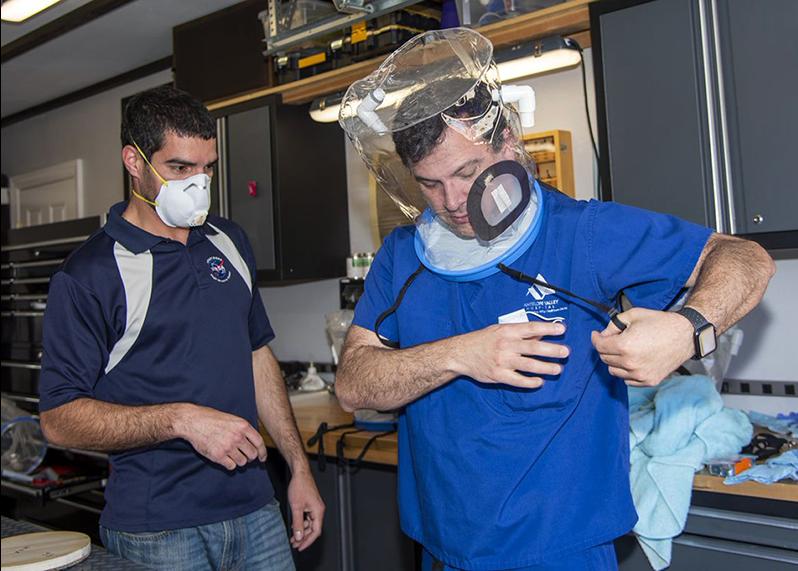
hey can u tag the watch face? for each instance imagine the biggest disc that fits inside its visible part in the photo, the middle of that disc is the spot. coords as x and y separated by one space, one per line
706 340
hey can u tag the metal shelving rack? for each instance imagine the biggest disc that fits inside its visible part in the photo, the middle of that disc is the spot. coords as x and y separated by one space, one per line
30 256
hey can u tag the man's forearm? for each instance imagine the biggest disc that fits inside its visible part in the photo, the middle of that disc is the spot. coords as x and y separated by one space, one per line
385 379
274 409
731 281
97 425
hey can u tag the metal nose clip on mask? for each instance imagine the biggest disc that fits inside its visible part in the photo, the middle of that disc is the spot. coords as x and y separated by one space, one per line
180 203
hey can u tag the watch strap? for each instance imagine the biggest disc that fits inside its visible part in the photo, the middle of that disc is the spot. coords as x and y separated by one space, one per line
694 317
699 323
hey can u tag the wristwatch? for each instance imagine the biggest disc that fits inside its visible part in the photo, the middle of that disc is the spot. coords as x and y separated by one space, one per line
704 335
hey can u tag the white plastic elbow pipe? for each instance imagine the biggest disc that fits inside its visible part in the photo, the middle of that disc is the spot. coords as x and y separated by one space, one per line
524 98
366 108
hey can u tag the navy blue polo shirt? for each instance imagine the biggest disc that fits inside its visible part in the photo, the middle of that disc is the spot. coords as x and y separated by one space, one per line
498 477
137 319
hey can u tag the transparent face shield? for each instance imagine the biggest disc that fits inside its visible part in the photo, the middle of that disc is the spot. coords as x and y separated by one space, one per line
432 126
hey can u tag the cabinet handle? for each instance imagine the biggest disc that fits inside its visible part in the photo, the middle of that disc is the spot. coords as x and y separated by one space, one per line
758 219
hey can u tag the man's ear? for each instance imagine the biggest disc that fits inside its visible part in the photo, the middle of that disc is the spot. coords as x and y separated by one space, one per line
132 161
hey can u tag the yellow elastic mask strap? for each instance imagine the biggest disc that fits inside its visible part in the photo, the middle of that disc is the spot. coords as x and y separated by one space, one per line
143 156
147 200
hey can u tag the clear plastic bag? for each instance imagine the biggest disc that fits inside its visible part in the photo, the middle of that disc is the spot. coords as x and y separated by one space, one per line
23 444
338 323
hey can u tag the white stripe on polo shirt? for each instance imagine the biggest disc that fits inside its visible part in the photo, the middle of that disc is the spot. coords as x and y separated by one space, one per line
136 273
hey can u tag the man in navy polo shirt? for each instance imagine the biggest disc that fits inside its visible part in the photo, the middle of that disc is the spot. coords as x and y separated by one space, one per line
156 350
492 323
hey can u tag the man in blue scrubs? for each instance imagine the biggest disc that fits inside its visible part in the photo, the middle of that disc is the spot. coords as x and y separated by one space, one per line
156 350
493 325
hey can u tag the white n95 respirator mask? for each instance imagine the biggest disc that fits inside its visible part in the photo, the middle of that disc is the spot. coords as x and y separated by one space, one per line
180 203
184 203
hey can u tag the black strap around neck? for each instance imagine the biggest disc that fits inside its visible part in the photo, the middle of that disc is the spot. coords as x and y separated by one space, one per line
391 310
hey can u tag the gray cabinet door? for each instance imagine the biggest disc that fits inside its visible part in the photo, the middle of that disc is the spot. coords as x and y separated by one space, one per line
758 51
378 541
249 152
325 553
656 109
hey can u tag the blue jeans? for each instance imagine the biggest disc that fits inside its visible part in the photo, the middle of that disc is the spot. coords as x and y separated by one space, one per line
598 558
254 541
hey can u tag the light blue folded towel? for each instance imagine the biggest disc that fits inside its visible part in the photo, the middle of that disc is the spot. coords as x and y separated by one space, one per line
775 469
674 429
786 425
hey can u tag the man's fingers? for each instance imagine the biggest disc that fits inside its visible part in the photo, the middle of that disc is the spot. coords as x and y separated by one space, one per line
605 345
542 349
521 381
612 329
310 538
253 436
534 366
297 524
536 329
248 450
314 524
621 373
613 360
238 457
257 441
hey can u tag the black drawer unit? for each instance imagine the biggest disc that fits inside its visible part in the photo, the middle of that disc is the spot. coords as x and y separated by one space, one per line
726 532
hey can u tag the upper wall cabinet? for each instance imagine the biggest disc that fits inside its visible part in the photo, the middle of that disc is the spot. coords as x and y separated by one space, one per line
697 116
220 55
282 177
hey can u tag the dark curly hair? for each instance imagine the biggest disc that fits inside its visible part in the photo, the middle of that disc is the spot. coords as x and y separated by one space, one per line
416 142
148 116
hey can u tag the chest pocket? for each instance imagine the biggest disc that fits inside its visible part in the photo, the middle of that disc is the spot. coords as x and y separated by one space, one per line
558 394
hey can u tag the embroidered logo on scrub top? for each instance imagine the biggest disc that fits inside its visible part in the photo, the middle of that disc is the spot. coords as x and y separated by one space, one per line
218 271
545 305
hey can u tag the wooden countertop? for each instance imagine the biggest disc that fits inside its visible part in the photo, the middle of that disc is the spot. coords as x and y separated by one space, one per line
314 408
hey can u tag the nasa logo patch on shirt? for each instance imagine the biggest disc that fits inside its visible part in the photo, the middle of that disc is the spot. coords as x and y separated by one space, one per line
218 271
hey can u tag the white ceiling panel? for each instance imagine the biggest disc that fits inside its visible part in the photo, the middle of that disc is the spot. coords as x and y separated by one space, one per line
11 31
136 34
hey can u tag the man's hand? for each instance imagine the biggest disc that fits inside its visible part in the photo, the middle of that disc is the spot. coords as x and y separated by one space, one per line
499 353
222 438
307 510
653 345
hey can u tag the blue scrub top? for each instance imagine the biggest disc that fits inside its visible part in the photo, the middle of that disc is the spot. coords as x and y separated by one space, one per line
496 477
137 319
